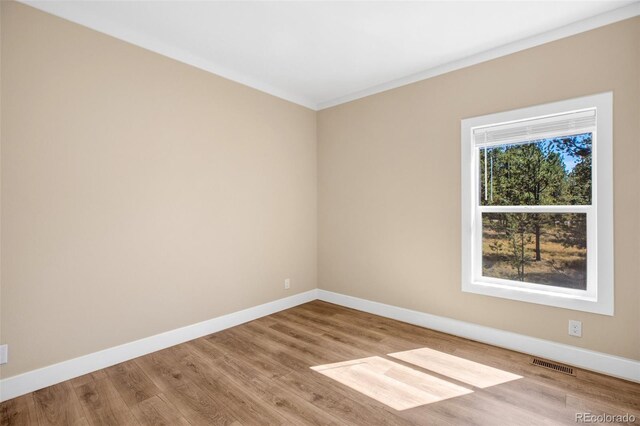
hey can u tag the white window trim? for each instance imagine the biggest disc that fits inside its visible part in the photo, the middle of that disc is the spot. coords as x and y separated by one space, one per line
599 296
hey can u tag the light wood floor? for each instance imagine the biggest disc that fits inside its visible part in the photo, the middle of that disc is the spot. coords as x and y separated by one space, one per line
259 373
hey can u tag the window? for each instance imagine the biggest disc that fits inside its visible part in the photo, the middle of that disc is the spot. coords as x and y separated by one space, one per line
537 204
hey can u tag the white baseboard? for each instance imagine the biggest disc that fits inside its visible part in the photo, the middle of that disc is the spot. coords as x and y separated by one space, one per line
611 365
21 384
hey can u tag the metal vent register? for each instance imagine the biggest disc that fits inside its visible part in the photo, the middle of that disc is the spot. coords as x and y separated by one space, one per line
553 366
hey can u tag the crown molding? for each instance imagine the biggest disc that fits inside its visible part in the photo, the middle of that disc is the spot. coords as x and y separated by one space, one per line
578 27
181 55
139 39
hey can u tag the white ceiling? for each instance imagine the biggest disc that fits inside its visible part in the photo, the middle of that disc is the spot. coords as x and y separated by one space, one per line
322 53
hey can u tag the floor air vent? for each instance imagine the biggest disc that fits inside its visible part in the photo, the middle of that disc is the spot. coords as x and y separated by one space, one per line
553 366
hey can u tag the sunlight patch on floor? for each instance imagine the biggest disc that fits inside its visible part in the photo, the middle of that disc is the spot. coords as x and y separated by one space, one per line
398 386
463 370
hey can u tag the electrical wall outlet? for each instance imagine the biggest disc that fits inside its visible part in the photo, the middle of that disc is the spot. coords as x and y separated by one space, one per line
4 354
575 328
287 283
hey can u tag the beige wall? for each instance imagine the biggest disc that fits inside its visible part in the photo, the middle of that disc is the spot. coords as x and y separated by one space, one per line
139 194
389 186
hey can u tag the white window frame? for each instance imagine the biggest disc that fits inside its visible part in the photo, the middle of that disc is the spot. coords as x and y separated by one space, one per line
598 297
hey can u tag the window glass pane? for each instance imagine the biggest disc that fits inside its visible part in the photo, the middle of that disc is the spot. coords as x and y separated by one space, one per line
540 248
544 172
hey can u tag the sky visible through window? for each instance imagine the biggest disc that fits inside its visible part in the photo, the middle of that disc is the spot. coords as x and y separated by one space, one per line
569 159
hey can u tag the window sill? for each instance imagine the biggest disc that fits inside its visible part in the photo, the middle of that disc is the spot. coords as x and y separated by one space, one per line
549 298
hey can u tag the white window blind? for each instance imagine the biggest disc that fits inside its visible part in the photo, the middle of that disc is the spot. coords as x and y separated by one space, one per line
553 126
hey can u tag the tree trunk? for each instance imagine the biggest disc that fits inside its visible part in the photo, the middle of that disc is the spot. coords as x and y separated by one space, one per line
522 256
538 257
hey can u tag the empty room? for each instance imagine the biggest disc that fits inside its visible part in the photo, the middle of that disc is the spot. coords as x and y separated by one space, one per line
319 212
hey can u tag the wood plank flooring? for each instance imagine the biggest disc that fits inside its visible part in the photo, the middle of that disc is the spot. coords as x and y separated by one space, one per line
259 374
